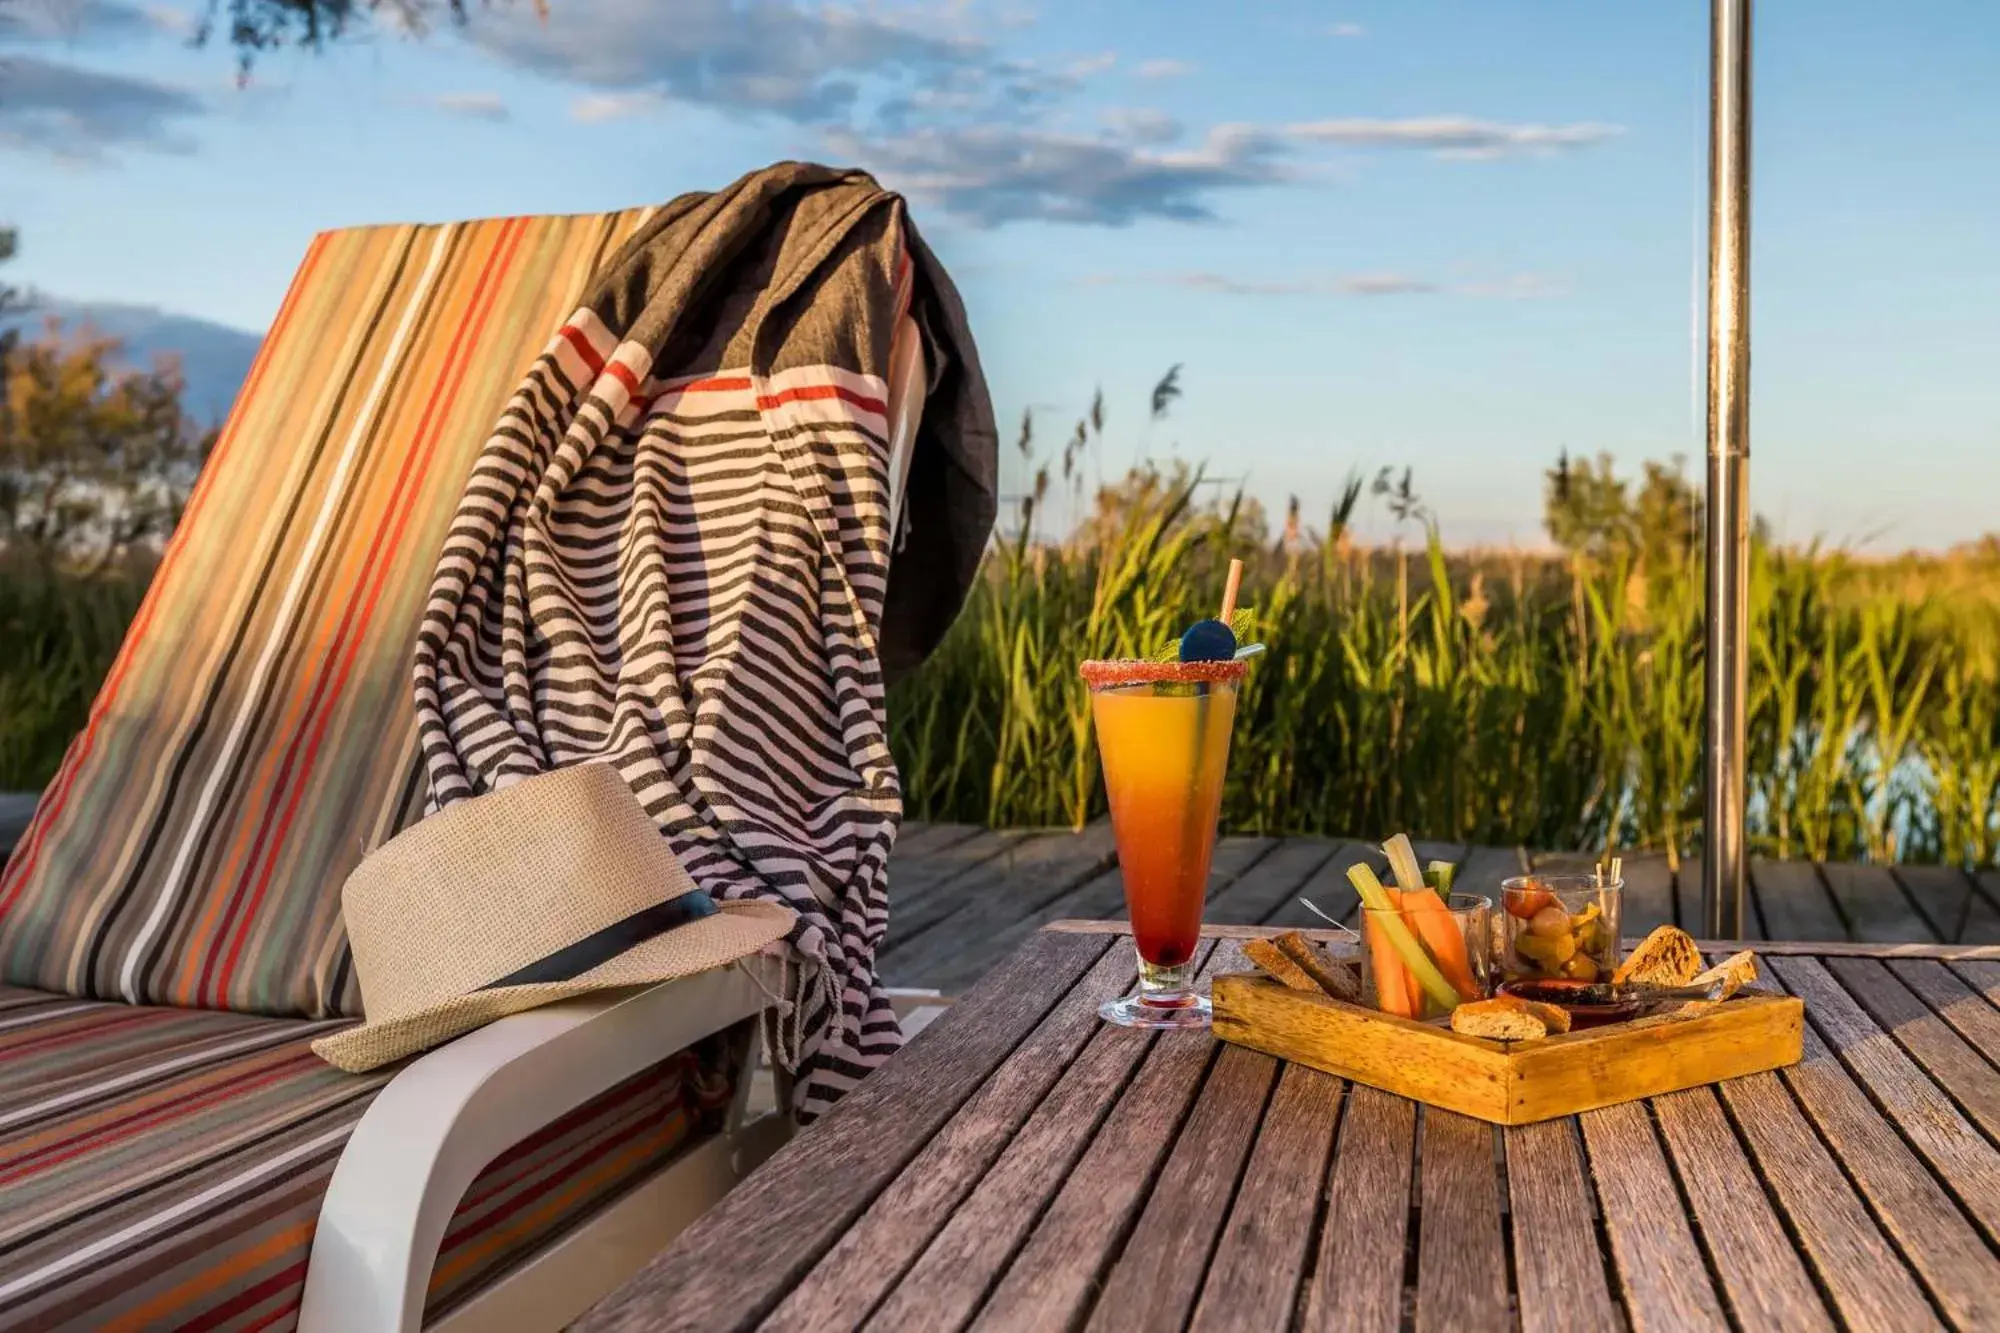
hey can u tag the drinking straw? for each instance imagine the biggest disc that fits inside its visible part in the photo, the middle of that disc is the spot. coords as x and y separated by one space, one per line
1201 689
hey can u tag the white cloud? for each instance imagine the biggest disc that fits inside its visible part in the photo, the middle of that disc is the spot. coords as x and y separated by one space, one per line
1524 286
1385 284
593 108
1347 31
987 175
1141 125
477 106
1454 136
806 64
921 97
79 114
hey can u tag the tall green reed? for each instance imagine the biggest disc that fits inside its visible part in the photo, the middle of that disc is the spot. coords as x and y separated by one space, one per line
1553 701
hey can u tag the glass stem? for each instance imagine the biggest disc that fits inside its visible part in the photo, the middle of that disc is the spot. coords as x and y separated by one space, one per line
1167 987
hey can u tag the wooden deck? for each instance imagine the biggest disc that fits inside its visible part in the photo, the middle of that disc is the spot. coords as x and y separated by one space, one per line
961 898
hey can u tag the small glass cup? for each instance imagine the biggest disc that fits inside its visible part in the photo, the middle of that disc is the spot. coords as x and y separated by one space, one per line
1456 944
1560 927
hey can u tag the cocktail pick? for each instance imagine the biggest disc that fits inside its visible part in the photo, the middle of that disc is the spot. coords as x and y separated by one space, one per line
1330 920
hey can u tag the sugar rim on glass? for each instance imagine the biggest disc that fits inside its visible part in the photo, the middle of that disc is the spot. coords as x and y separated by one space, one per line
1100 675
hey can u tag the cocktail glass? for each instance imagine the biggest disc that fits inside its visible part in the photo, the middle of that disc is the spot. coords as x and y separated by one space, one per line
1163 736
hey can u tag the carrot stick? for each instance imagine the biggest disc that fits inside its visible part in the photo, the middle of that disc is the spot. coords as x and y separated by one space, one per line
1390 920
1440 933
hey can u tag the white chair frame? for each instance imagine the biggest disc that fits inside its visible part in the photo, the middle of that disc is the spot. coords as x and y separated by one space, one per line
440 1121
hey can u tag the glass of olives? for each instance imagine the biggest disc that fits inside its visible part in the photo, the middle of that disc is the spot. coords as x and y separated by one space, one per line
1560 926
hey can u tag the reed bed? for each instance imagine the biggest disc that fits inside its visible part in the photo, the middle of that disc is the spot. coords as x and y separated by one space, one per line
1552 701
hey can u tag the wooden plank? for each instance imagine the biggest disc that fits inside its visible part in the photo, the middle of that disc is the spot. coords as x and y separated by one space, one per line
1253 1280
1051 1281
1154 1282
918 873
1484 868
1557 1262
1034 871
947 1283
1944 895
875 1249
1666 1284
1761 1274
1982 924
1792 902
1953 953
1968 1164
1276 880
1983 977
1957 1003
914 880
917 841
1461 1257
1954 1065
734 1265
1328 888
1357 1278
962 957
1945 1249
1868 1281
1871 899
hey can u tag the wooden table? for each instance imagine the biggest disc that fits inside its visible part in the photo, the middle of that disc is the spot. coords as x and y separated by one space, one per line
1023 1166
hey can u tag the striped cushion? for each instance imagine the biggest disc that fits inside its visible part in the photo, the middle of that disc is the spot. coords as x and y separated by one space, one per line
164 1168
255 735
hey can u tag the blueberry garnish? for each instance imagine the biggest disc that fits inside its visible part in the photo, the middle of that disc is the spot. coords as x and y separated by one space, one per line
1208 641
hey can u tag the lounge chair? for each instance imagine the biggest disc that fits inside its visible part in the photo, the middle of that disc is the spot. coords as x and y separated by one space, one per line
170 1151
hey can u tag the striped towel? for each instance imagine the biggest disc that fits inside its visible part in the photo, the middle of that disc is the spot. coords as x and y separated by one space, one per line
673 554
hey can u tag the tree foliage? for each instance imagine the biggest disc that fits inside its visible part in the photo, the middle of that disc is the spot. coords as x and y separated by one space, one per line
252 27
95 461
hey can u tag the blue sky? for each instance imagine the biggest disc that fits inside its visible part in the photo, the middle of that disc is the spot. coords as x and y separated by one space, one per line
1453 236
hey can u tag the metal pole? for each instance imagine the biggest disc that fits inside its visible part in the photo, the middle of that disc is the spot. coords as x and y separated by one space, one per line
1724 869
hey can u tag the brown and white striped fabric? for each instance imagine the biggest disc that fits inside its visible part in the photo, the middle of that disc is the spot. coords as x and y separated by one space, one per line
673 555
163 1168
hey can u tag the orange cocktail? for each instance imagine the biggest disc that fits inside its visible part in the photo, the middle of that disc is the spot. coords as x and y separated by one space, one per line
1163 735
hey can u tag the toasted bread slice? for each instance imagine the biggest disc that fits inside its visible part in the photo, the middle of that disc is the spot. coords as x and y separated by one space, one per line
1554 1017
1280 966
1502 1019
1340 980
1734 972
1667 957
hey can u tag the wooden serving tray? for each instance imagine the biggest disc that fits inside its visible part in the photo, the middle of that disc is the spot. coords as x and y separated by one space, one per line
1510 1083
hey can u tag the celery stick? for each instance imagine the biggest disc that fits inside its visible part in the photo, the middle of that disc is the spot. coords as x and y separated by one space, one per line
1407 948
1403 863
1439 875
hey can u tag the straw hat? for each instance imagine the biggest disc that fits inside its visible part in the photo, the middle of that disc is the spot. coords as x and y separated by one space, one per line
553 887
